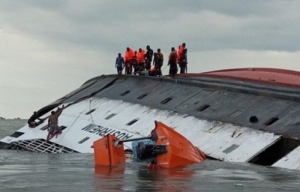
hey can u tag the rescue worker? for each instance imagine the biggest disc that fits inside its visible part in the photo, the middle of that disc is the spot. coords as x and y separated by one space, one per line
128 60
53 122
149 55
120 64
141 60
158 62
179 51
173 62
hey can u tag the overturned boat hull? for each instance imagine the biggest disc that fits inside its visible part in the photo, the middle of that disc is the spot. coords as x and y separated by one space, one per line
237 115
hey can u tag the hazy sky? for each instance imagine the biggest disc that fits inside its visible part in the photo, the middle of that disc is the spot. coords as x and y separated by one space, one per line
49 48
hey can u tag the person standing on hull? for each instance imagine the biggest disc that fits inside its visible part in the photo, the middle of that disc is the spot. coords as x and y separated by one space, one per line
120 64
158 62
141 60
183 61
173 62
128 60
149 55
53 122
135 63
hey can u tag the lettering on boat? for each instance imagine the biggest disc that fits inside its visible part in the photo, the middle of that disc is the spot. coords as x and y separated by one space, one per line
102 131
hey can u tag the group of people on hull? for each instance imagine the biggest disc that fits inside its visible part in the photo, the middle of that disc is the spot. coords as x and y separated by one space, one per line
139 62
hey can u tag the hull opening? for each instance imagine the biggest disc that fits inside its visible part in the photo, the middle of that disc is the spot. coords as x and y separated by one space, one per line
275 152
38 145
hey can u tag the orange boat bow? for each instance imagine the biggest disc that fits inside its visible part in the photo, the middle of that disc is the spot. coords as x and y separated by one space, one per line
106 153
180 151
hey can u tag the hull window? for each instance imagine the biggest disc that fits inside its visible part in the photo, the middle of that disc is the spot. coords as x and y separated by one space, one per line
132 122
204 107
91 111
271 121
17 134
142 96
166 100
110 116
83 140
125 93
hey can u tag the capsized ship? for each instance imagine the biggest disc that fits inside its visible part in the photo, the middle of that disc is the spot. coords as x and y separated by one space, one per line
236 115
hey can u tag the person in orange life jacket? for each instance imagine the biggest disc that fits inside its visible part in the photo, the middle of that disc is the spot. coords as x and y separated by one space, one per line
179 51
141 60
173 62
120 64
135 63
128 60
183 59
158 62
149 55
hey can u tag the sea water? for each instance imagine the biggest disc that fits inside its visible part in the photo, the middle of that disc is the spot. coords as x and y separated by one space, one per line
37 172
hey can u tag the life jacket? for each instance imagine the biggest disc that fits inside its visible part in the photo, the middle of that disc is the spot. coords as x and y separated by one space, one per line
129 55
141 56
179 52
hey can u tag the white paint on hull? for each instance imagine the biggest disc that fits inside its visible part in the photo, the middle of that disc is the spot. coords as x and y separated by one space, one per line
290 161
219 140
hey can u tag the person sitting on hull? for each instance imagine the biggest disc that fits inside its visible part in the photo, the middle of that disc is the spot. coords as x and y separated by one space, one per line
53 123
31 121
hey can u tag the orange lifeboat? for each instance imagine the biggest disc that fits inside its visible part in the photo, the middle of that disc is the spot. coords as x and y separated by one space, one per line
169 149
180 151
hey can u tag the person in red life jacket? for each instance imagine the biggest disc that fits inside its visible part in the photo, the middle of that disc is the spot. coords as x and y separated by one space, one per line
135 63
173 62
53 123
158 62
141 60
149 55
179 51
120 64
183 61
128 60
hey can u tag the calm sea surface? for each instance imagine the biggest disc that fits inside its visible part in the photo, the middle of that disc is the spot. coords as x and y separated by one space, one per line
33 172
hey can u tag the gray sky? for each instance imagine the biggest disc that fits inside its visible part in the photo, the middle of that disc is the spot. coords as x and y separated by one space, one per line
49 48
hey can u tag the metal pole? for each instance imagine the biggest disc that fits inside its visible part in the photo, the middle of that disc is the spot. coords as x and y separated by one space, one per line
134 139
